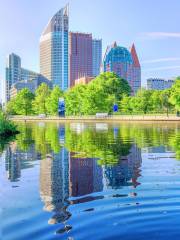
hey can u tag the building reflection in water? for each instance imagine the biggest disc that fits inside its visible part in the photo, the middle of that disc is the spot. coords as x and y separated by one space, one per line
126 172
67 179
63 176
85 176
54 182
16 160
54 185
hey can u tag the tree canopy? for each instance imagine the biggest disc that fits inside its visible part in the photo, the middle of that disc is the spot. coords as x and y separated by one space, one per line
41 95
97 96
22 103
52 100
175 94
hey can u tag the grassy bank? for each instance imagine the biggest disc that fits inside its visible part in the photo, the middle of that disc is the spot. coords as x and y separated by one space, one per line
7 127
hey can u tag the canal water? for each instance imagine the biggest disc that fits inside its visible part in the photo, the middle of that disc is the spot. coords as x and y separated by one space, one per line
91 181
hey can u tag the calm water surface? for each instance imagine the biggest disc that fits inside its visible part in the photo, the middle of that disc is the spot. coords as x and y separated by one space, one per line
91 181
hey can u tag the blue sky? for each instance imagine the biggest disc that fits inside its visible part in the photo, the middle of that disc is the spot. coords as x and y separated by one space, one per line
154 27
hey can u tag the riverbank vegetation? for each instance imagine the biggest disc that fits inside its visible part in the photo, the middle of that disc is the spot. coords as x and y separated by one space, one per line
7 128
99 95
152 101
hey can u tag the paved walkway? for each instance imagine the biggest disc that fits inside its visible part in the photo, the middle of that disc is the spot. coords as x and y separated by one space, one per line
94 118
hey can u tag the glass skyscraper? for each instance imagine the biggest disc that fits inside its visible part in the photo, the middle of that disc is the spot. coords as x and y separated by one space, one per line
125 64
54 49
13 73
97 56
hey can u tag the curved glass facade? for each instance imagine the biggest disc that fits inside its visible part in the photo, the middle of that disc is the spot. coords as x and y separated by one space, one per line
119 54
125 64
54 49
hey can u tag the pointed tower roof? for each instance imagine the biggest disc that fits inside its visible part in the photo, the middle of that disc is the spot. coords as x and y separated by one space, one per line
57 20
114 44
135 56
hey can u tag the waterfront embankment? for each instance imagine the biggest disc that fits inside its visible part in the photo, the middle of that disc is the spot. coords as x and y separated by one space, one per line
95 118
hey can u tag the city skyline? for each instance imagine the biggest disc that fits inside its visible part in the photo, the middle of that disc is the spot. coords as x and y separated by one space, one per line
156 44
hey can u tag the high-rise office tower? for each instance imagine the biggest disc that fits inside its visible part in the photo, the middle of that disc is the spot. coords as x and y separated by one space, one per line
80 56
125 64
136 79
97 56
54 49
13 73
20 77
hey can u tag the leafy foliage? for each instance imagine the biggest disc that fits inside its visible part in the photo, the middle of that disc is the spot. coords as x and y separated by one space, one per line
52 100
7 128
22 103
175 94
152 101
41 95
76 99
97 96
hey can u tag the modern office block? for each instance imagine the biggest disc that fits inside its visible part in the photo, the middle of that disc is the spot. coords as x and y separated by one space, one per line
97 56
80 56
31 84
28 75
125 64
54 49
159 84
18 78
13 73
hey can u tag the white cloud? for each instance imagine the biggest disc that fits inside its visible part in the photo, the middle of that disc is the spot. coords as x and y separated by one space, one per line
161 68
159 60
160 35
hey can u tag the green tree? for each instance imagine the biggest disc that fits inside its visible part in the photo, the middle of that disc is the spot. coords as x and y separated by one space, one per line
97 96
126 105
75 100
52 100
156 101
23 102
112 84
98 100
165 95
175 95
10 107
142 101
41 95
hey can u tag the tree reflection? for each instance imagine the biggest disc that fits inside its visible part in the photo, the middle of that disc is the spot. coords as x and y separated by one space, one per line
107 144
44 136
104 145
